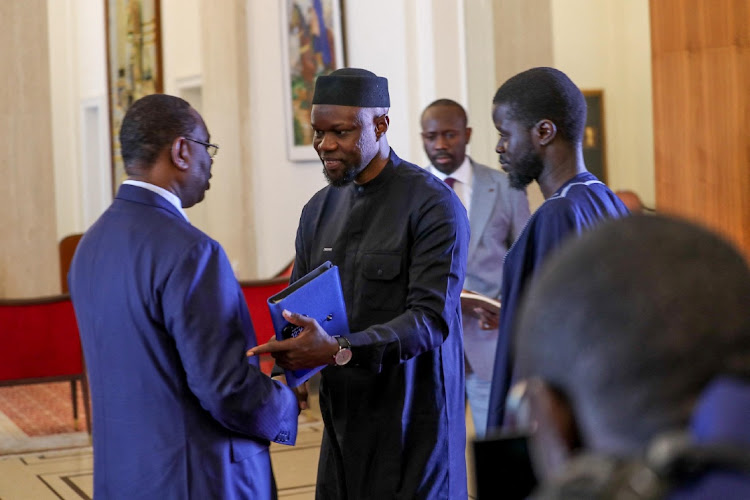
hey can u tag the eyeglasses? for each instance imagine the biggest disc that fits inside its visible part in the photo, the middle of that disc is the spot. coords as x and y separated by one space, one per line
211 148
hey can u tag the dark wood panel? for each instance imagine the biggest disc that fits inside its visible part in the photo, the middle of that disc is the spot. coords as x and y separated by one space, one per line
701 73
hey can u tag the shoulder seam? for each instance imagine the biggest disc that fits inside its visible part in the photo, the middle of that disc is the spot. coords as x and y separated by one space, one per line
565 190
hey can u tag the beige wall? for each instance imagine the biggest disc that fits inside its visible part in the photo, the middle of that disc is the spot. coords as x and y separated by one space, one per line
605 44
225 108
231 52
523 40
28 266
600 44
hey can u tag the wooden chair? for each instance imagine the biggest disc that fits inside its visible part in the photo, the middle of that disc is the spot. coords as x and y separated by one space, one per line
256 294
41 344
66 249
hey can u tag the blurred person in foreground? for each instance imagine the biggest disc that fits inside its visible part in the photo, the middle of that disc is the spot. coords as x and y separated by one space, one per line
633 351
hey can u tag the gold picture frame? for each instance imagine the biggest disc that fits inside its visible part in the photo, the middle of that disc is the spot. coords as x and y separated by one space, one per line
594 140
134 64
313 44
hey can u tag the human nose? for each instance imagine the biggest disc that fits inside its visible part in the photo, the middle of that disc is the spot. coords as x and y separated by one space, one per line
440 142
327 142
500 148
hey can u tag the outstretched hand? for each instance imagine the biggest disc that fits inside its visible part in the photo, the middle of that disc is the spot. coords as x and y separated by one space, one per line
311 348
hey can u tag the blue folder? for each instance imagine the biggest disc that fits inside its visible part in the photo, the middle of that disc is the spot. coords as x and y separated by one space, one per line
317 295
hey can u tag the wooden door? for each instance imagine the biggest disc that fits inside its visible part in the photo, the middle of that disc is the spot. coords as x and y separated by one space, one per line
701 84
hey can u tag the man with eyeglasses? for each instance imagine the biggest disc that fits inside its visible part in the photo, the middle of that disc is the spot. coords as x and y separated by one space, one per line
179 412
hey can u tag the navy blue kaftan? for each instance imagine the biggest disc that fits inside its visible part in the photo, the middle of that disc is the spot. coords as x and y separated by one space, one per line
394 416
579 204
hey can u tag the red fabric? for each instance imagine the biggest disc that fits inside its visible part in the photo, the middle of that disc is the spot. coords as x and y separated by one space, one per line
256 293
39 340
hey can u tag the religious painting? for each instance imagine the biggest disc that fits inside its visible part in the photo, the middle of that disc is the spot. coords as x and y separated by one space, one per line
594 152
133 64
313 45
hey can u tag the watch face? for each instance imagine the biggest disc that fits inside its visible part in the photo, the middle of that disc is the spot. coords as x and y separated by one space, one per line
343 356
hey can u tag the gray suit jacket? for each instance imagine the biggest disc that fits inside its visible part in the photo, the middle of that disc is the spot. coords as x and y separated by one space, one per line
498 215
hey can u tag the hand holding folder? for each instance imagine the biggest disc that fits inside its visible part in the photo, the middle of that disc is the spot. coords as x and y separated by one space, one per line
304 316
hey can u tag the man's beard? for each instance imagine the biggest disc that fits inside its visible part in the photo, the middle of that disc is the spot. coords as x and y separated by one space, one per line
525 170
347 177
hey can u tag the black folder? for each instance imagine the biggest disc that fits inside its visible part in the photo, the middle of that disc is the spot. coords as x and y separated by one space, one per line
502 467
317 295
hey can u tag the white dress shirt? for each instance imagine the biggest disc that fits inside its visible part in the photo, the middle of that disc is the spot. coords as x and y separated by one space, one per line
170 197
463 185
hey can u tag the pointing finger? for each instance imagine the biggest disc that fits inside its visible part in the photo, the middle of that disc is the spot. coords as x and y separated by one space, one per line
268 347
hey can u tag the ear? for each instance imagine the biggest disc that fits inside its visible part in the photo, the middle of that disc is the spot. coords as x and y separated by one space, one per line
555 434
180 153
545 131
381 125
468 134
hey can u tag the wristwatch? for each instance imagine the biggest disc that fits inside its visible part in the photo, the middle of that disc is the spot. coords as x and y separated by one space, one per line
344 354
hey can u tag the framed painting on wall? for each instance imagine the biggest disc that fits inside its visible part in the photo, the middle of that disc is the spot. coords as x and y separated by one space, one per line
313 45
594 152
133 64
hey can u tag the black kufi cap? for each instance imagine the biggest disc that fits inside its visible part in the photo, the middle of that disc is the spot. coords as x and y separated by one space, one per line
352 87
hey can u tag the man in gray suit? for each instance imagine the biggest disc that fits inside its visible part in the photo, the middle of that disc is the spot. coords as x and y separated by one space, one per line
497 215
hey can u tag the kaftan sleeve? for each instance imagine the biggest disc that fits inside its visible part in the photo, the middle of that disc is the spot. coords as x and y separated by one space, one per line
437 256
207 316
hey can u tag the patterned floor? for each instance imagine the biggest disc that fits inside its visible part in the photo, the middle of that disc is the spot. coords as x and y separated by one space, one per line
43 457
39 417
60 466
42 409
68 474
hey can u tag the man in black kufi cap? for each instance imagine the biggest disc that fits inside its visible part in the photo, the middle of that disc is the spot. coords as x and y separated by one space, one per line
392 397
